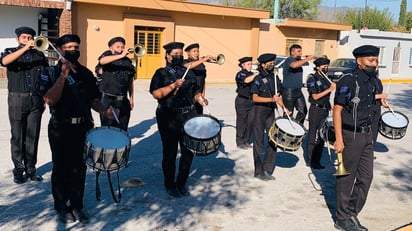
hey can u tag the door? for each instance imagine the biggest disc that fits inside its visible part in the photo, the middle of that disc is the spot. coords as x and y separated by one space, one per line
147 64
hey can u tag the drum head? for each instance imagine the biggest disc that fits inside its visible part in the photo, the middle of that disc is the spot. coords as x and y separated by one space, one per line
395 119
286 126
202 127
108 138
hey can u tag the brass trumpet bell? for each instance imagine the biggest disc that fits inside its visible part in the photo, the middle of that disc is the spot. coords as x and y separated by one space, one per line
219 59
139 50
341 171
41 43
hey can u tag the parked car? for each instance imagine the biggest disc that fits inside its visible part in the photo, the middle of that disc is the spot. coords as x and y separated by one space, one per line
340 66
308 68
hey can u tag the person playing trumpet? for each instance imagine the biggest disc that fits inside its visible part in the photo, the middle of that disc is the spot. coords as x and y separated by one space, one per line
117 75
196 64
25 106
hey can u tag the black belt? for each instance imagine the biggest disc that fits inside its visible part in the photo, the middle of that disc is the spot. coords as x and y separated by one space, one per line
361 129
271 105
181 110
243 97
73 120
22 94
321 106
116 97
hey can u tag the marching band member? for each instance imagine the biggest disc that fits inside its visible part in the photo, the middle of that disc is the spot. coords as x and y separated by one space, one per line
24 66
265 95
176 89
244 103
319 96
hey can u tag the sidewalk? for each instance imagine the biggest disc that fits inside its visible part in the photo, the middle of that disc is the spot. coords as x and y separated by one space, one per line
224 194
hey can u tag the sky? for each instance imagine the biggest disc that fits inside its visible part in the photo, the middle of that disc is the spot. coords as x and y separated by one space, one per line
392 5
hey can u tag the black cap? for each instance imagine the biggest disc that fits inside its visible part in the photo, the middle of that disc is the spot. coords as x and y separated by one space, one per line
67 38
365 51
267 57
244 59
191 46
321 61
173 45
25 30
116 39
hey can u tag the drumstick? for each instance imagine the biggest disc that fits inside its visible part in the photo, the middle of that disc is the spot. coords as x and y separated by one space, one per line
204 105
290 121
184 75
115 116
393 113
326 77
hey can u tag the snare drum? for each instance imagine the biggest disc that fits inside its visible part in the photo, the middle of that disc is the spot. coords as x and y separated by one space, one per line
202 134
327 131
393 125
286 136
107 148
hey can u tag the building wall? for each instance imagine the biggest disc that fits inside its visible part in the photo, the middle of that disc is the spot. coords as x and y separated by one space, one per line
232 36
349 40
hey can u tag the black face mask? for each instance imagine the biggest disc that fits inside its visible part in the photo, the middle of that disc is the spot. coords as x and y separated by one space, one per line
177 60
324 70
270 68
370 70
72 55
117 53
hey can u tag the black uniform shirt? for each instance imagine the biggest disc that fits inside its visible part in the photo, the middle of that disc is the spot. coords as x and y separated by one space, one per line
243 89
346 91
116 77
78 92
264 85
24 73
317 84
184 96
199 71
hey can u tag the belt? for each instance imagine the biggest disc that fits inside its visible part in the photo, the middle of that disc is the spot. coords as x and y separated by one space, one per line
243 97
74 120
21 93
182 110
116 97
320 106
271 105
362 129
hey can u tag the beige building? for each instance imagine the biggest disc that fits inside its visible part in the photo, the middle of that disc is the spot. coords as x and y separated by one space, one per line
234 32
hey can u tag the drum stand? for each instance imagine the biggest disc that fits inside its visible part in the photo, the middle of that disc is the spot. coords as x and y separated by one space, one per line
98 192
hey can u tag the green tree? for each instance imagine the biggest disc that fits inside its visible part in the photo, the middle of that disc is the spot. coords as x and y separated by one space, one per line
370 18
402 14
307 9
408 21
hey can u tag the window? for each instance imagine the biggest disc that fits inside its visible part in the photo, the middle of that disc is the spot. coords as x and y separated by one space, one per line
410 57
381 56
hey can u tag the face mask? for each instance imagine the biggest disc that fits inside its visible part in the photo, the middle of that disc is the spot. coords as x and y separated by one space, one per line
177 60
72 55
270 68
117 53
370 70
324 70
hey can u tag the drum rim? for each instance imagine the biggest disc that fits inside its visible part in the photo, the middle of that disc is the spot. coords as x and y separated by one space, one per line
202 115
294 120
281 146
386 112
109 128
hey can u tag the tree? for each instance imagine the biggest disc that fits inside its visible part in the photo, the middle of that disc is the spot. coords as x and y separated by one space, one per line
402 14
408 21
307 9
370 18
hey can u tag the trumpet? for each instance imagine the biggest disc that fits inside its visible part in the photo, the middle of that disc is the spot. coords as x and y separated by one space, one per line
139 50
41 43
341 171
219 59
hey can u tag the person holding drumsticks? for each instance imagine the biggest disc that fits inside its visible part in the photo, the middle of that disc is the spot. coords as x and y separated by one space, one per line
70 95
176 89
352 120
117 75
25 106
319 88
265 90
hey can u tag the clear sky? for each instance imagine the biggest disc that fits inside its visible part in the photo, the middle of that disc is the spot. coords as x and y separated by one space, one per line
392 5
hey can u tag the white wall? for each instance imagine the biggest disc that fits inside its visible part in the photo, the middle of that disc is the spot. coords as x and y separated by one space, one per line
349 40
13 17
